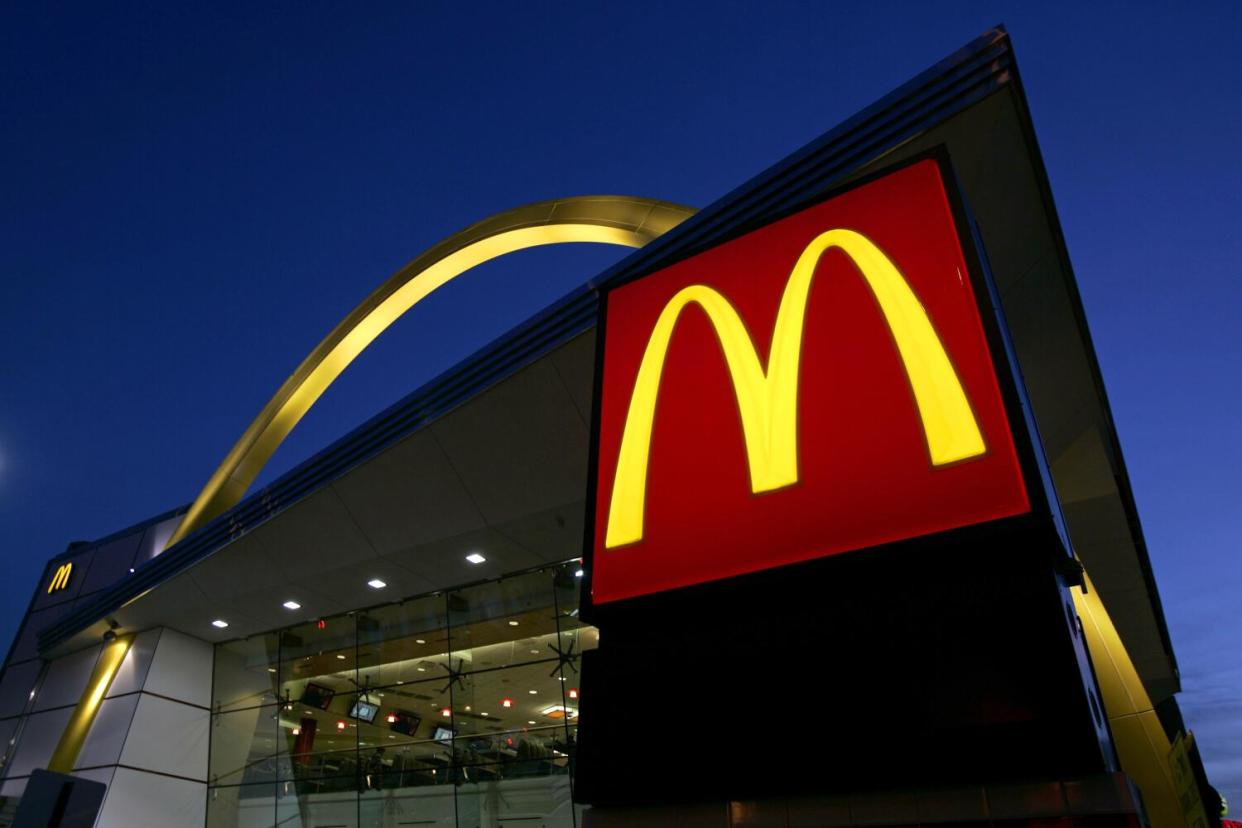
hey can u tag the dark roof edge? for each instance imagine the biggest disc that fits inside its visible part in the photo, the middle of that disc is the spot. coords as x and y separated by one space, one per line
1123 475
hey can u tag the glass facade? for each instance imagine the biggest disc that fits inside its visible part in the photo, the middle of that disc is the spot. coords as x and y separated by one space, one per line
455 709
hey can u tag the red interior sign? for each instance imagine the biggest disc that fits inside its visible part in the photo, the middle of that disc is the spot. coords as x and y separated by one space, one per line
819 385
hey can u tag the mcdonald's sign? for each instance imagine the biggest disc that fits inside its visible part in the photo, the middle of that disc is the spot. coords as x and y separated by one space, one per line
819 385
61 579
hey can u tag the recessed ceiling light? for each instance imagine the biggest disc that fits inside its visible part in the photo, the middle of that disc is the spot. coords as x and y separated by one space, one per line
482 714
291 605
341 656
532 721
271 669
533 692
220 623
513 623
475 558
420 641
376 583
578 574
534 652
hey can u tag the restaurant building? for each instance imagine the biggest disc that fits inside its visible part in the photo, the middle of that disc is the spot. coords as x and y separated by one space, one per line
862 552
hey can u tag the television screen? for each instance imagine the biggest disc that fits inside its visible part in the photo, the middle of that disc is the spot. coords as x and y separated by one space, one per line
364 711
316 695
403 722
443 734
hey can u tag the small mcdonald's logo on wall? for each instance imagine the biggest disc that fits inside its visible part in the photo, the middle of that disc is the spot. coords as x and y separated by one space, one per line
61 579
818 385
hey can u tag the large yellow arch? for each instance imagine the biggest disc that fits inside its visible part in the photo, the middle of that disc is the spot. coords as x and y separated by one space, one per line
620 220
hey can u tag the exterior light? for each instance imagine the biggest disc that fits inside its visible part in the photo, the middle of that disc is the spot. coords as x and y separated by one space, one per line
475 558
376 583
219 623
291 605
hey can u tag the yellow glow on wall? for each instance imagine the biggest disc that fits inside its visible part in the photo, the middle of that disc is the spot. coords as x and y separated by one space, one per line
61 579
768 400
620 220
74 735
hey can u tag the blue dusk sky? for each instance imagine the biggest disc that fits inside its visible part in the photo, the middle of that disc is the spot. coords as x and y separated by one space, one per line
193 196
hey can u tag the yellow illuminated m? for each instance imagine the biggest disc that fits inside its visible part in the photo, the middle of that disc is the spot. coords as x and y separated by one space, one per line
768 399
61 579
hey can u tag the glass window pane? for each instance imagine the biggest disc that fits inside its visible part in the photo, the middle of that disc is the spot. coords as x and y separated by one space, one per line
502 623
17 687
241 806
244 746
246 673
395 641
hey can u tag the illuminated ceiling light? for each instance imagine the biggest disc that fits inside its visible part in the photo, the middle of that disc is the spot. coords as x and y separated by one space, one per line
573 692
391 718
271 669
420 641
513 623
482 714
559 711
531 721
341 656
467 708
297 731
578 574
446 712
475 558
534 652
340 725
376 583
506 702
533 692
220 623
291 605
420 669
562 678
131 570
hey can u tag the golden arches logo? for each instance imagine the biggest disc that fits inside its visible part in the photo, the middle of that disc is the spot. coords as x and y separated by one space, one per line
768 399
61 579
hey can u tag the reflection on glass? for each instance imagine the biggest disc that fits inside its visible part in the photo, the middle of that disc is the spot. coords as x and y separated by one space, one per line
455 708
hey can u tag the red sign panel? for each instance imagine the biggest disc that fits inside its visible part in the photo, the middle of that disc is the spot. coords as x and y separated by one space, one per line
819 385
